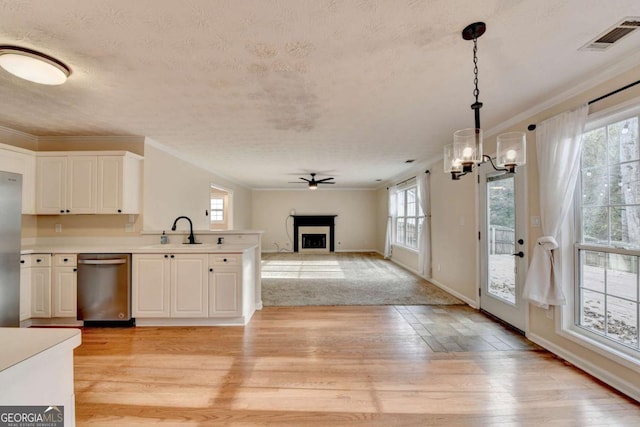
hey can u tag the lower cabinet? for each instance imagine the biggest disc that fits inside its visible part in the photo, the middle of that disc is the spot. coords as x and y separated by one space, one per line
225 290
187 285
65 286
35 286
170 285
45 291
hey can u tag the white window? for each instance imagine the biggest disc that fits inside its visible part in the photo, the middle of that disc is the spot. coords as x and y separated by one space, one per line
409 217
217 209
607 299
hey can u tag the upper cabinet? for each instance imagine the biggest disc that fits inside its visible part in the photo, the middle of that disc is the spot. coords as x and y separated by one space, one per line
118 184
87 183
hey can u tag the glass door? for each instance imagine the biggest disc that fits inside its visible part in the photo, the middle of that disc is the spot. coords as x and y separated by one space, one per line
503 246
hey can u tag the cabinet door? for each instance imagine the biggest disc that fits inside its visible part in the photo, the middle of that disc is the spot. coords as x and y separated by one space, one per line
189 285
150 285
25 292
82 175
51 187
110 175
40 292
225 298
64 292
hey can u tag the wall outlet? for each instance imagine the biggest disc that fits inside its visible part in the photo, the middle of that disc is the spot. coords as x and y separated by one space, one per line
550 313
129 228
535 221
58 228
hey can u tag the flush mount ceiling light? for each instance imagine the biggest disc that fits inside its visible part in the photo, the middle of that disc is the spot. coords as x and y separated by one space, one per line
466 149
33 66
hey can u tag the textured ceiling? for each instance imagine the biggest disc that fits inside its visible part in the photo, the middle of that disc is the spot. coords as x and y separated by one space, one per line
261 91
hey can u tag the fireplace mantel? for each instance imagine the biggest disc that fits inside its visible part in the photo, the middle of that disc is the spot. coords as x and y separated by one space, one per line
314 221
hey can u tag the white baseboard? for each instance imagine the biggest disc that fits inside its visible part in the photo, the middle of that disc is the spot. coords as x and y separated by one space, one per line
472 303
445 288
631 390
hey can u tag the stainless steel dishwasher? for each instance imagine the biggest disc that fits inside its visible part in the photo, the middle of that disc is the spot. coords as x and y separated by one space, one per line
104 289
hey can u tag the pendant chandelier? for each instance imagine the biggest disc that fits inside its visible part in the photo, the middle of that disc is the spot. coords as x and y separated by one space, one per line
466 150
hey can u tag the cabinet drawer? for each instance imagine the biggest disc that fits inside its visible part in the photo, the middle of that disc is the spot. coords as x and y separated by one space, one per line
225 259
65 260
35 260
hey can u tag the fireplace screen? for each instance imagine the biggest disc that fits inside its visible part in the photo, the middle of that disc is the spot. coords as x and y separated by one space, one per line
314 241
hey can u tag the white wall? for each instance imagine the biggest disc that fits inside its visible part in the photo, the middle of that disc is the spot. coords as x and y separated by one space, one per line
174 187
355 224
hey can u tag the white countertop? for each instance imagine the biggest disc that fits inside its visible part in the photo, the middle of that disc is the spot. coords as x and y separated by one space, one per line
20 344
227 248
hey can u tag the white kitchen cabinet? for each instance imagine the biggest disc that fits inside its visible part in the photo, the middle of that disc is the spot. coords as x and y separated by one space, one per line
189 285
225 285
150 285
51 187
16 160
170 285
39 266
64 286
119 184
88 183
66 184
25 288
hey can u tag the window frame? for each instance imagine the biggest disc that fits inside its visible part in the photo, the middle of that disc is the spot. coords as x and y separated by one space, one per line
569 324
417 217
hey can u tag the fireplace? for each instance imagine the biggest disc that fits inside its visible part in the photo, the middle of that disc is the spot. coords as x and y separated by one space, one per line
313 239
313 233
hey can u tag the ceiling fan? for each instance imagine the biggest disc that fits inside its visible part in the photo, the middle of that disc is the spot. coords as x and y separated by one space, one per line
313 183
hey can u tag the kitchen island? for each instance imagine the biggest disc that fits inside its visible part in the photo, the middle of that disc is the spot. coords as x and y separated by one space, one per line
36 368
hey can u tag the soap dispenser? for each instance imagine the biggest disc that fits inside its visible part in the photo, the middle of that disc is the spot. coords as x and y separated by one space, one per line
164 239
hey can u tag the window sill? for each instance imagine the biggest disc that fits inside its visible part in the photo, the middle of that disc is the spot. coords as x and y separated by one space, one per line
406 248
602 349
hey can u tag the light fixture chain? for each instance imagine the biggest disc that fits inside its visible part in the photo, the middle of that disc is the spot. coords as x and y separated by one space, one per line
476 91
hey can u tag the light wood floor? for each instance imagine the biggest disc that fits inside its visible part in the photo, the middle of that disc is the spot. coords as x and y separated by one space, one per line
333 366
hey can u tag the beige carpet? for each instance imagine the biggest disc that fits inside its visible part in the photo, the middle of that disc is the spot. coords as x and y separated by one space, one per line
293 279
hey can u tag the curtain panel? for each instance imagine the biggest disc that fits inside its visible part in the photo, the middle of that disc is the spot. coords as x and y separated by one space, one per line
424 239
558 147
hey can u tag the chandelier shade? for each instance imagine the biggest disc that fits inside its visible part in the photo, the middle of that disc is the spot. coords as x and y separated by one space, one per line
511 150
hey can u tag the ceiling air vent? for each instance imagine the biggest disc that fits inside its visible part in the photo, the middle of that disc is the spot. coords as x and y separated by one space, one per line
614 34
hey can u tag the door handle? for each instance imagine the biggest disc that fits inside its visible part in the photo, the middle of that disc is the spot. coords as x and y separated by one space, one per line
520 254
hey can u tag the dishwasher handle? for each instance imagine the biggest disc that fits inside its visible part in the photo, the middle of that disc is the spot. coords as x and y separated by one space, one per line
102 261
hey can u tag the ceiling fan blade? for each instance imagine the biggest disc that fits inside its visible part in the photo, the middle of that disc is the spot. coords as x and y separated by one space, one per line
296 182
325 179
304 179
320 182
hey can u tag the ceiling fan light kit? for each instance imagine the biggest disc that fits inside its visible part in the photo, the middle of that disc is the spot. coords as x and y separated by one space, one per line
466 149
313 183
33 66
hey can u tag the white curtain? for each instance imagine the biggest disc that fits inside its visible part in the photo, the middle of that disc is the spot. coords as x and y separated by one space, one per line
558 146
390 221
424 239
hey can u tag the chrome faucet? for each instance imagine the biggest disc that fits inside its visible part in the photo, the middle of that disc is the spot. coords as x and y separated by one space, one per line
192 239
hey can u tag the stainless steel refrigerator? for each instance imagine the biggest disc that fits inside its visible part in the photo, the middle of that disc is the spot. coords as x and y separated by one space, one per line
10 224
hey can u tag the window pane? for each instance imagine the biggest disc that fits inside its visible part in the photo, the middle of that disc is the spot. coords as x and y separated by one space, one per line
595 225
592 311
625 226
622 321
400 230
400 205
622 276
411 202
595 187
594 148
412 233
624 183
593 268
623 141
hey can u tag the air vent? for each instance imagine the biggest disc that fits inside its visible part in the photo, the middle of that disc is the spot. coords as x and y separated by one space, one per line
614 34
